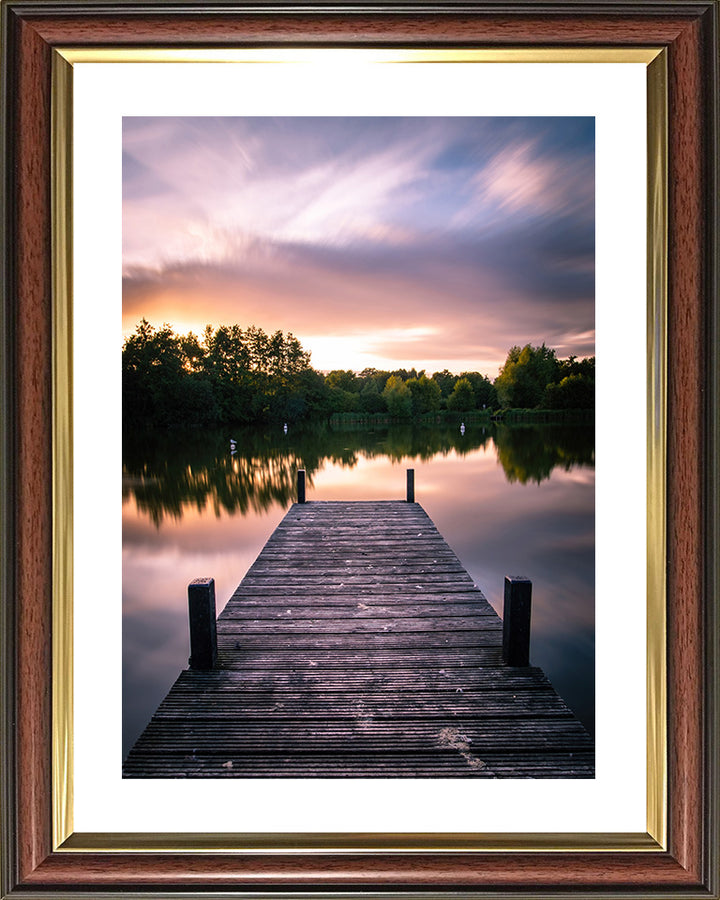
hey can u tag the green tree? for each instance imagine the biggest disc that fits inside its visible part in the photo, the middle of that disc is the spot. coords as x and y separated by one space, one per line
371 400
194 353
484 390
574 366
343 401
404 374
525 375
573 392
345 379
425 394
376 376
229 366
397 397
462 398
446 381
159 385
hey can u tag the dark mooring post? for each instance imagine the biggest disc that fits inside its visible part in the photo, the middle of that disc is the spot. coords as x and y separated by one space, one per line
301 485
516 620
411 485
203 631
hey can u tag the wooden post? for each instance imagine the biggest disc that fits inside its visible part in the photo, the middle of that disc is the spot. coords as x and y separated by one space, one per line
516 620
411 485
301 486
203 630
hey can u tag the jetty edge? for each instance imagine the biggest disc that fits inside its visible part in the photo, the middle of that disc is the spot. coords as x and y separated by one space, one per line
357 645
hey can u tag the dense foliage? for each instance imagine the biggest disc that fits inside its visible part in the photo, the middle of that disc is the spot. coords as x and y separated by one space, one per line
244 376
230 375
534 378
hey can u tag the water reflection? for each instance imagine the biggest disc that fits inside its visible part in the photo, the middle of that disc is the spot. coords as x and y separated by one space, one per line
168 473
530 453
508 500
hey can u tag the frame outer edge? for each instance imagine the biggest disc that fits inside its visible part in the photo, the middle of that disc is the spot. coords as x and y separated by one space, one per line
685 448
32 379
48 8
8 863
711 435
711 873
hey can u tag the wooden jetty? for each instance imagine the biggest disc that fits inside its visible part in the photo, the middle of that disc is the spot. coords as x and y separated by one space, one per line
358 646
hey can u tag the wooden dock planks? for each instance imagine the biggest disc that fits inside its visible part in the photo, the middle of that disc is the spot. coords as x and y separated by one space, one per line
358 646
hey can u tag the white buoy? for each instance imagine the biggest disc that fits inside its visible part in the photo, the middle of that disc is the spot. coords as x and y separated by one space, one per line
285 428
462 428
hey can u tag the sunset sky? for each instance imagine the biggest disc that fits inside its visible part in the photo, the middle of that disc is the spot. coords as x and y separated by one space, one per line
387 242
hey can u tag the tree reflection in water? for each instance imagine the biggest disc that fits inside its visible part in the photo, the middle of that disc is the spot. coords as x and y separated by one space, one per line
530 453
168 472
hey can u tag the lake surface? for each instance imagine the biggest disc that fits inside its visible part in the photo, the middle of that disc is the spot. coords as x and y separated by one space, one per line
516 500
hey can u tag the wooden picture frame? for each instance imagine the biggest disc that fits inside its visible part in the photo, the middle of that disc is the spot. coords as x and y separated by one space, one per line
688 865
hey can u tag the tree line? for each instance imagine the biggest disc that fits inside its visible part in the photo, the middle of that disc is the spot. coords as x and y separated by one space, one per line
245 376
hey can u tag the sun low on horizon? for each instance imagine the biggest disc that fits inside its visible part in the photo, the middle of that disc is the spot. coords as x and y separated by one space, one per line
434 243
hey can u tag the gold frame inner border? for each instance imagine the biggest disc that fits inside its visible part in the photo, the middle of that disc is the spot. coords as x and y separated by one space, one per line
64 837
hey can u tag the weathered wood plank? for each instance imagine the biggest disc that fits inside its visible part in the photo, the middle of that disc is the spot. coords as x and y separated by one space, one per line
387 677
440 763
285 624
417 641
259 612
344 659
446 735
358 598
344 593
345 705
417 580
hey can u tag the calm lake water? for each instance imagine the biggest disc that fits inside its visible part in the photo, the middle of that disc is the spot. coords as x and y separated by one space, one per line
514 500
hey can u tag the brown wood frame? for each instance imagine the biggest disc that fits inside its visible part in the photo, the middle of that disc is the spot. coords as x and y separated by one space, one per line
689 31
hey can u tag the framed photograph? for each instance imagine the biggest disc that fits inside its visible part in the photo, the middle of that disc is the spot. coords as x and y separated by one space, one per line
386 188
357 637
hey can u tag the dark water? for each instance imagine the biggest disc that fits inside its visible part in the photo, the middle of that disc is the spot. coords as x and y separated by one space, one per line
514 500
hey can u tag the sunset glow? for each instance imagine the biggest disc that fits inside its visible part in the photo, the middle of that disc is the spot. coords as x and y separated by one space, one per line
386 242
